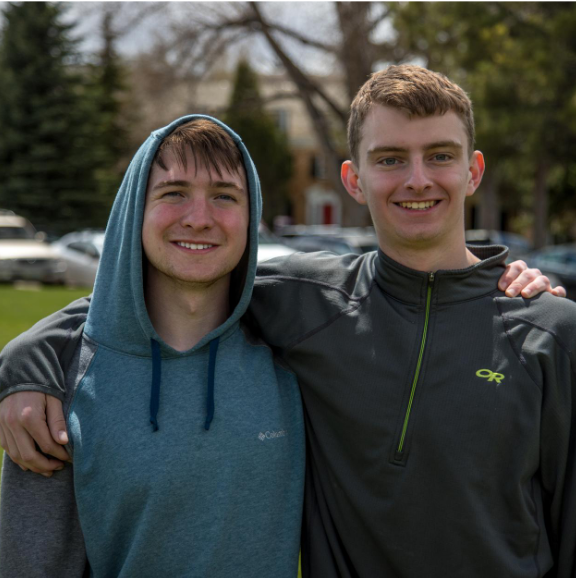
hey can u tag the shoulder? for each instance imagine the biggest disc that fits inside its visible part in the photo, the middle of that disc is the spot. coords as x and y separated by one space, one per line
544 314
296 295
348 273
545 310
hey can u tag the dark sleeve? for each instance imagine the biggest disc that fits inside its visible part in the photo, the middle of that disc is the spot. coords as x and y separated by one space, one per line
298 295
543 330
37 359
558 463
40 535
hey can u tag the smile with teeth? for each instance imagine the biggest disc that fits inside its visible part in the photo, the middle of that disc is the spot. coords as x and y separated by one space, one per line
194 246
418 205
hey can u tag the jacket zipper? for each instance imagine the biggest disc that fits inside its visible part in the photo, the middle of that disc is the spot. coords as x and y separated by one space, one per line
418 365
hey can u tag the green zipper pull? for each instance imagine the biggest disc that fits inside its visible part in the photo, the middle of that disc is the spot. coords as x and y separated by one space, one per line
418 365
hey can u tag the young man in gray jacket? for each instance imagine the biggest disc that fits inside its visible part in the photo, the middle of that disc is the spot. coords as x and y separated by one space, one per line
438 411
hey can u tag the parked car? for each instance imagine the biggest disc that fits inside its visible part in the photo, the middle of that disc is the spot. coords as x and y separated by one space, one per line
270 246
339 240
81 251
517 244
558 262
24 255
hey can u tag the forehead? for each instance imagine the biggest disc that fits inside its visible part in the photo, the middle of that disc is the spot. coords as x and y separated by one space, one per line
393 127
193 173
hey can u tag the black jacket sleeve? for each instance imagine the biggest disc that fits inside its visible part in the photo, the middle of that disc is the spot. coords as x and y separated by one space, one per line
543 332
37 359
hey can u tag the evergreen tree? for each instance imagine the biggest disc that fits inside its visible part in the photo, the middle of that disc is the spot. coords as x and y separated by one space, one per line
107 92
46 123
267 144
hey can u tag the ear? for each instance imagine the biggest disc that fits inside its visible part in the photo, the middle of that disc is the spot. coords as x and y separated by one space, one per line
351 181
476 169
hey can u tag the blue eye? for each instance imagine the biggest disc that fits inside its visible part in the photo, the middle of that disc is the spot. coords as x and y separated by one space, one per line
226 197
442 157
389 162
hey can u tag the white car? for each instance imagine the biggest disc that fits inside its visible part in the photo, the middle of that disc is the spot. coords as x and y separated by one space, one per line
24 256
269 246
81 251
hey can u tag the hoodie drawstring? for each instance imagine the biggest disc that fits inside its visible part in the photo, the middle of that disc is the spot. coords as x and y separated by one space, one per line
156 379
210 391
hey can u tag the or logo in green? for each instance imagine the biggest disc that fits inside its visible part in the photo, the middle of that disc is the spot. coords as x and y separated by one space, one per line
490 375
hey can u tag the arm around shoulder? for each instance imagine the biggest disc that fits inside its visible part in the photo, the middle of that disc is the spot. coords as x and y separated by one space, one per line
36 360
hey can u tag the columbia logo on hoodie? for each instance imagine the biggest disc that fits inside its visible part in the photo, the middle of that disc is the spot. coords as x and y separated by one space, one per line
270 435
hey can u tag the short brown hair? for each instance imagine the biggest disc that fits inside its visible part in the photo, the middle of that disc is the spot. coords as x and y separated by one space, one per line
211 146
417 90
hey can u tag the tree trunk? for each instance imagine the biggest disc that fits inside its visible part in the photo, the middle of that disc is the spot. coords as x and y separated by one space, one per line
541 204
489 203
357 53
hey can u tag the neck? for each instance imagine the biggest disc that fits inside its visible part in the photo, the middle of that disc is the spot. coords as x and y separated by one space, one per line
182 315
431 259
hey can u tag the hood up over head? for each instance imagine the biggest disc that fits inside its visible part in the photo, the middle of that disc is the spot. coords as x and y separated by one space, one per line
118 318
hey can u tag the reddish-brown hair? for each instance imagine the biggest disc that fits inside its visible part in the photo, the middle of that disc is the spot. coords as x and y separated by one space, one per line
211 146
418 91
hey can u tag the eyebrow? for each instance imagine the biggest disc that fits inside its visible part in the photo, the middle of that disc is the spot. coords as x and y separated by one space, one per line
214 184
226 185
432 145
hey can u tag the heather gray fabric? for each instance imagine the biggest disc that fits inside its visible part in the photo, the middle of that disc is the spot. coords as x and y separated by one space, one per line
46 504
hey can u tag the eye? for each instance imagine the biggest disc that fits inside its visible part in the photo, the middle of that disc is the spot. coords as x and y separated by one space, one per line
171 194
388 162
442 157
225 197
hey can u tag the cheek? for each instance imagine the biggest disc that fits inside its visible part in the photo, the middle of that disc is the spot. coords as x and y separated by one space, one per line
155 222
236 222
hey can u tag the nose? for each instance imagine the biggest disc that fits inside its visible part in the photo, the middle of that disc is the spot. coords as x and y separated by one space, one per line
197 214
418 180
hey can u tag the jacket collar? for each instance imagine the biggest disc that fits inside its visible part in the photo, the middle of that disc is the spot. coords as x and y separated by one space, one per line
448 286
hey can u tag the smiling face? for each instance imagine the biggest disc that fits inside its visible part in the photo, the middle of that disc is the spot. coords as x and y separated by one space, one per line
195 226
414 174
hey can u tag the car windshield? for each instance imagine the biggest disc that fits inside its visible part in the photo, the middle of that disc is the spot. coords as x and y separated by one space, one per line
15 233
98 242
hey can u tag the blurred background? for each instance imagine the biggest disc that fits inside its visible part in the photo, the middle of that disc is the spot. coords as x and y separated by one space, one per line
83 84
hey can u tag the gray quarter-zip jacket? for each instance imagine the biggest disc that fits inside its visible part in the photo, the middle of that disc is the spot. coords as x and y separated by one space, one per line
440 416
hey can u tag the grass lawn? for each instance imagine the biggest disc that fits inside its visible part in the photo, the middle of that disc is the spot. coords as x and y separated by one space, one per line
20 308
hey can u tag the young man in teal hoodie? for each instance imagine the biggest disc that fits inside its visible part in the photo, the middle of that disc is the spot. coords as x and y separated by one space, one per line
187 438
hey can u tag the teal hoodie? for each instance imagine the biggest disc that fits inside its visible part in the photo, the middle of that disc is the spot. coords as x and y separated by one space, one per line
186 464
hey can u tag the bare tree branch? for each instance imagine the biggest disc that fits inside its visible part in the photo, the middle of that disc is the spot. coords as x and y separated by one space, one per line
304 83
385 14
303 39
